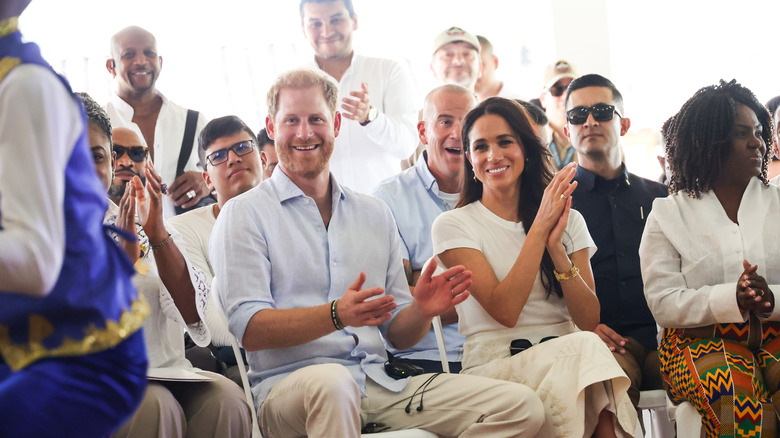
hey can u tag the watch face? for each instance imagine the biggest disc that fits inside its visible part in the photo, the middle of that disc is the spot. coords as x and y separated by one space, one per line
373 113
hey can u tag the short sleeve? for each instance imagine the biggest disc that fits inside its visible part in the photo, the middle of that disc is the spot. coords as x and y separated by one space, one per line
577 236
451 230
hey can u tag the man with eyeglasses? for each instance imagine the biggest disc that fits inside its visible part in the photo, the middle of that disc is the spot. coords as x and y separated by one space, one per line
615 205
557 77
228 149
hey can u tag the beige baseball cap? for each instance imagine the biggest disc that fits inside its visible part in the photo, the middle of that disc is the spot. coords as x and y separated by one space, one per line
557 71
452 35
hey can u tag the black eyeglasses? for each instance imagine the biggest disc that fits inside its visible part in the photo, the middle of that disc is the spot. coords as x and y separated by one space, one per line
601 113
136 153
241 148
557 90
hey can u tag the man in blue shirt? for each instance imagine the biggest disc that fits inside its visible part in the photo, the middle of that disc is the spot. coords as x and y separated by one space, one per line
419 194
310 275
615 205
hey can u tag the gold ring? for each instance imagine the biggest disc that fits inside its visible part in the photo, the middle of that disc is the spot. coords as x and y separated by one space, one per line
761 292
159 192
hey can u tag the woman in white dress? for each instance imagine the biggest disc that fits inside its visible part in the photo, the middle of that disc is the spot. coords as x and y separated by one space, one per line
529 254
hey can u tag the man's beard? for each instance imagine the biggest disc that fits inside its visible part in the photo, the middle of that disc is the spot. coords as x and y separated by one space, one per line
116 191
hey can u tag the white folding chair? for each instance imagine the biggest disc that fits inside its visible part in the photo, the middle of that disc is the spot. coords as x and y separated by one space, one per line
439 333
652 405
688 421
222 319
437 329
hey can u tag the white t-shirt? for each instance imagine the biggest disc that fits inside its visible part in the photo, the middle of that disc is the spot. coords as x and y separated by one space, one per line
474 226
195 227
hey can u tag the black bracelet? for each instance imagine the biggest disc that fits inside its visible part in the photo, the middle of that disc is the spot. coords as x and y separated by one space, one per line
334 315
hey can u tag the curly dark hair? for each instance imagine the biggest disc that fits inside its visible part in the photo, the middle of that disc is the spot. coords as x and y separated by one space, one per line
97 115
536 175
699 136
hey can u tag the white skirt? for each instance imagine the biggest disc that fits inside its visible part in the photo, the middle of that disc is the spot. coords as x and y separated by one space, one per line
575 375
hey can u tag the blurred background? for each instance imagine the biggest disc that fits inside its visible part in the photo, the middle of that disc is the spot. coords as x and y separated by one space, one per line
220 57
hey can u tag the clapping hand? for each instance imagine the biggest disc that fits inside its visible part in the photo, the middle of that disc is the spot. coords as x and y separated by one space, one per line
554 209
356 107
125 220
355 309
753 293
148 202
437 294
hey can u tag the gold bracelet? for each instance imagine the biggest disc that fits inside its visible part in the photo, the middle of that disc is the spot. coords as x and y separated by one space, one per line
573 272
157 246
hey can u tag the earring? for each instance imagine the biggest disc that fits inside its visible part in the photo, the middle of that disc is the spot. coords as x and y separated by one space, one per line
475 178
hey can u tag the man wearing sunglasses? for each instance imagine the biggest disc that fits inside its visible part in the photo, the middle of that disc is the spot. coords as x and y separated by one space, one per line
557 77
129 161
615 205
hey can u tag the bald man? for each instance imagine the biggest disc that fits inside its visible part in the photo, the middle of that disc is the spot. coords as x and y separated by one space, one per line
168 130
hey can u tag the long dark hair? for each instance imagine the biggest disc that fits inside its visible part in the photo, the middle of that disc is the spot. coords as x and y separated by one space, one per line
698 137
536 175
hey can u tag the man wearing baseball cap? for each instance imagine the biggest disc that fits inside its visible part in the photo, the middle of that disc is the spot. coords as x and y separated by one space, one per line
456 58
557 77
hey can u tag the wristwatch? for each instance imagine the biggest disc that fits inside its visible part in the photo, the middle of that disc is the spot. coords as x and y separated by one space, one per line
373 113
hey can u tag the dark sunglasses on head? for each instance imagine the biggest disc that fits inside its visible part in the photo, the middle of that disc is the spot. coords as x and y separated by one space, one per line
240 148
601 113
557 90
136 153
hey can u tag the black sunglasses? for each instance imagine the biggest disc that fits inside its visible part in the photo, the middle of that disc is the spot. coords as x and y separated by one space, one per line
240 148
601 113
136 153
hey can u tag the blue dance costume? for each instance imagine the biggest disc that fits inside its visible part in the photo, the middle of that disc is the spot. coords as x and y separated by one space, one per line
72 363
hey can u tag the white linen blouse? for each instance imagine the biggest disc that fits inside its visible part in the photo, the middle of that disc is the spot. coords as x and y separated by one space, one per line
691 255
